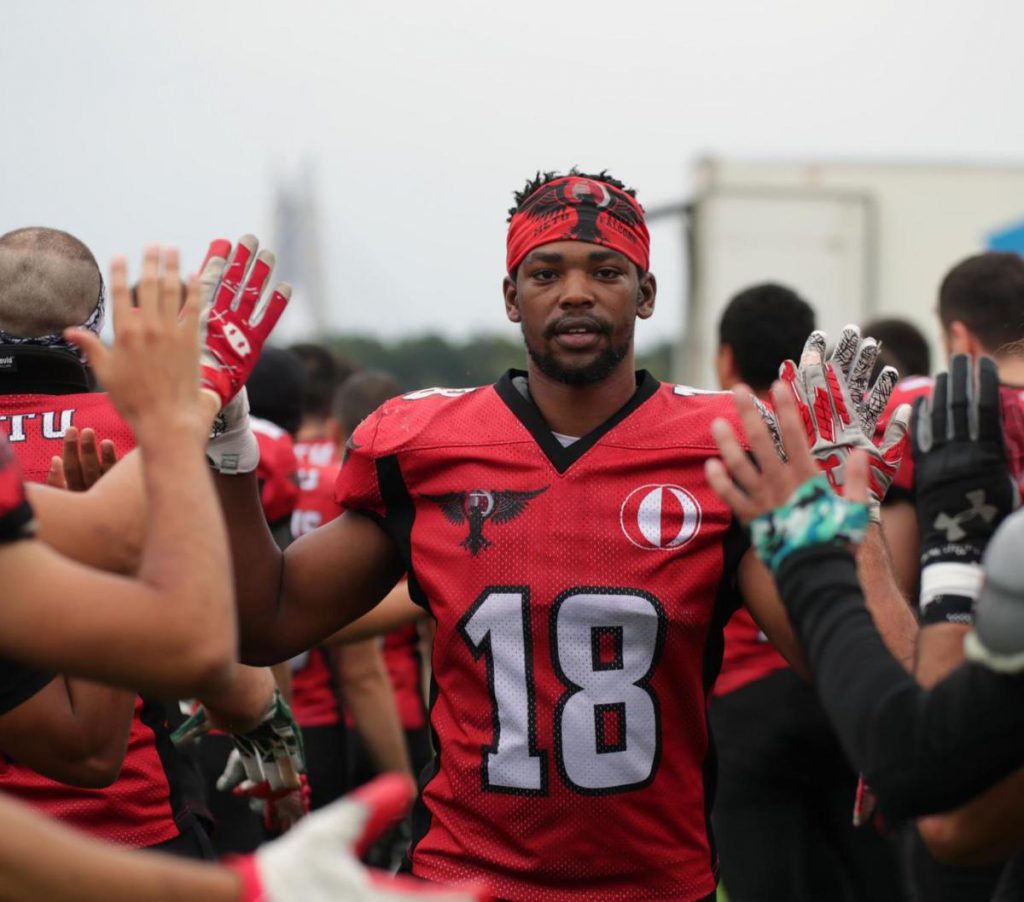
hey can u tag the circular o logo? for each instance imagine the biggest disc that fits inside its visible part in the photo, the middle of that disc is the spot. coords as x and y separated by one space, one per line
660 517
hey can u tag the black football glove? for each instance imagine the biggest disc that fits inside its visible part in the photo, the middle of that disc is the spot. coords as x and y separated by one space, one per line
964 487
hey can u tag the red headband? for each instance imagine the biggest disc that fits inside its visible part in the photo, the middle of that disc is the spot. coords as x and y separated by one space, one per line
579 209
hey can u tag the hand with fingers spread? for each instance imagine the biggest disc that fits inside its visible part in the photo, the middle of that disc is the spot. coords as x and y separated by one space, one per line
839 409
82 462
787 504
152 370
235 323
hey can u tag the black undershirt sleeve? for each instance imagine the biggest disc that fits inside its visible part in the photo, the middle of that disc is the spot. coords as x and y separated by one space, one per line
19 683
920 751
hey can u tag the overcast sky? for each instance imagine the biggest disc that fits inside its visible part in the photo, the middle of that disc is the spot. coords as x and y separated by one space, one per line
126 122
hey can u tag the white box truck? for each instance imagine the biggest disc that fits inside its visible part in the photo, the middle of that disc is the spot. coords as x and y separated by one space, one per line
857 240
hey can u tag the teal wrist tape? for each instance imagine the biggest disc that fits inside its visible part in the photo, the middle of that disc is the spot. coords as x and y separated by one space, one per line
813 515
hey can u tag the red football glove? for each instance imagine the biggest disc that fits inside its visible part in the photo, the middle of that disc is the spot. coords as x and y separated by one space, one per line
839 409
318 861
233 329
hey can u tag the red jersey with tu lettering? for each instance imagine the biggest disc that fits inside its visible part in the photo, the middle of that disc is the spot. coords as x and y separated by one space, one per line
146 804
580 594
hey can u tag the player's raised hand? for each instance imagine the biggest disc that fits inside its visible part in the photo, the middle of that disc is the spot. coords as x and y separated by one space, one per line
82 462
152 369
787 504
754 483
235 324
839 409
318 861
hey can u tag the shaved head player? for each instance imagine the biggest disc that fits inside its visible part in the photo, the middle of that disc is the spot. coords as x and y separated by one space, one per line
558 527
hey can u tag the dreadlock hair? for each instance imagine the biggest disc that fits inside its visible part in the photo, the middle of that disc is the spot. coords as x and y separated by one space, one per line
542 178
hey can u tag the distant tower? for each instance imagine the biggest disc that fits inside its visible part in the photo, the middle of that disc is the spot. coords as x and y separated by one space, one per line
297 244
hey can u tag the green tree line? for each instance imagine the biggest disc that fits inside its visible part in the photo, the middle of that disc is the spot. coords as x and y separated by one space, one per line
427 360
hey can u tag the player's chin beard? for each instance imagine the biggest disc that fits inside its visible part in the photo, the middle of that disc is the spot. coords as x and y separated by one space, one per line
592 373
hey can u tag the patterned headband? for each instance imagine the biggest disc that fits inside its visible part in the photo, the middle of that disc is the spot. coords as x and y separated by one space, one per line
575 208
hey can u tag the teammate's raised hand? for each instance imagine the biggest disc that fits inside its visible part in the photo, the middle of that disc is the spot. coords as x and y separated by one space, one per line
787 504
152 369
235 323
839 409
82 461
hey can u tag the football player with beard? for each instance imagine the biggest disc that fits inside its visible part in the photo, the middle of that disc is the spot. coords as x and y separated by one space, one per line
558 528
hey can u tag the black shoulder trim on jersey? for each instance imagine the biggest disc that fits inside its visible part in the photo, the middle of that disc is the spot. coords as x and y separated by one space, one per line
32 370
528 414
734 545
398 519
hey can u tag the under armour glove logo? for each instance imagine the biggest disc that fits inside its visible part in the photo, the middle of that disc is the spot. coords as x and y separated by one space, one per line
951 525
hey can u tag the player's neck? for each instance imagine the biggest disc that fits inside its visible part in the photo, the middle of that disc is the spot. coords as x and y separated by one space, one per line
1011 370
579 409
313 430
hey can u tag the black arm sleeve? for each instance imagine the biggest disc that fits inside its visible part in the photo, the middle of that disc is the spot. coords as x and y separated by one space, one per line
920 751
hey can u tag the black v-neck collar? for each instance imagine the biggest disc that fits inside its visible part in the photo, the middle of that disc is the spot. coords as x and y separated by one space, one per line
562 457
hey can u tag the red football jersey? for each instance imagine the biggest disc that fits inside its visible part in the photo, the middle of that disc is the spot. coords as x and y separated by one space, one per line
140 807
314 701
580 594
35 426
1011 402
277 471
401 651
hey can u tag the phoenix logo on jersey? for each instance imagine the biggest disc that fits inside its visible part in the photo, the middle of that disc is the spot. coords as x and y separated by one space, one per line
660 517
480 505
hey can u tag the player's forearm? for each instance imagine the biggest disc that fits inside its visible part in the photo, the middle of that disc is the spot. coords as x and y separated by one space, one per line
396 609
940 650
240 706
367 693
921 751
101 719
102 527
185 558
91 871
258 565
888 606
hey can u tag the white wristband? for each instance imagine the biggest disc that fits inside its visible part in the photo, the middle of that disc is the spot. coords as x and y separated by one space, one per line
233 449
950 579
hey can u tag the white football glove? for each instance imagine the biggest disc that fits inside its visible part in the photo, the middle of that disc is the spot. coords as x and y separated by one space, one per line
318 861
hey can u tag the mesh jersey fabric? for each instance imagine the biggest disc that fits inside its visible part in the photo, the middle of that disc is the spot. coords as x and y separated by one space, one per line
144 806
579 595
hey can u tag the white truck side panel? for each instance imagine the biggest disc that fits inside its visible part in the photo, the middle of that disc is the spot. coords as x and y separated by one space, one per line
918 221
